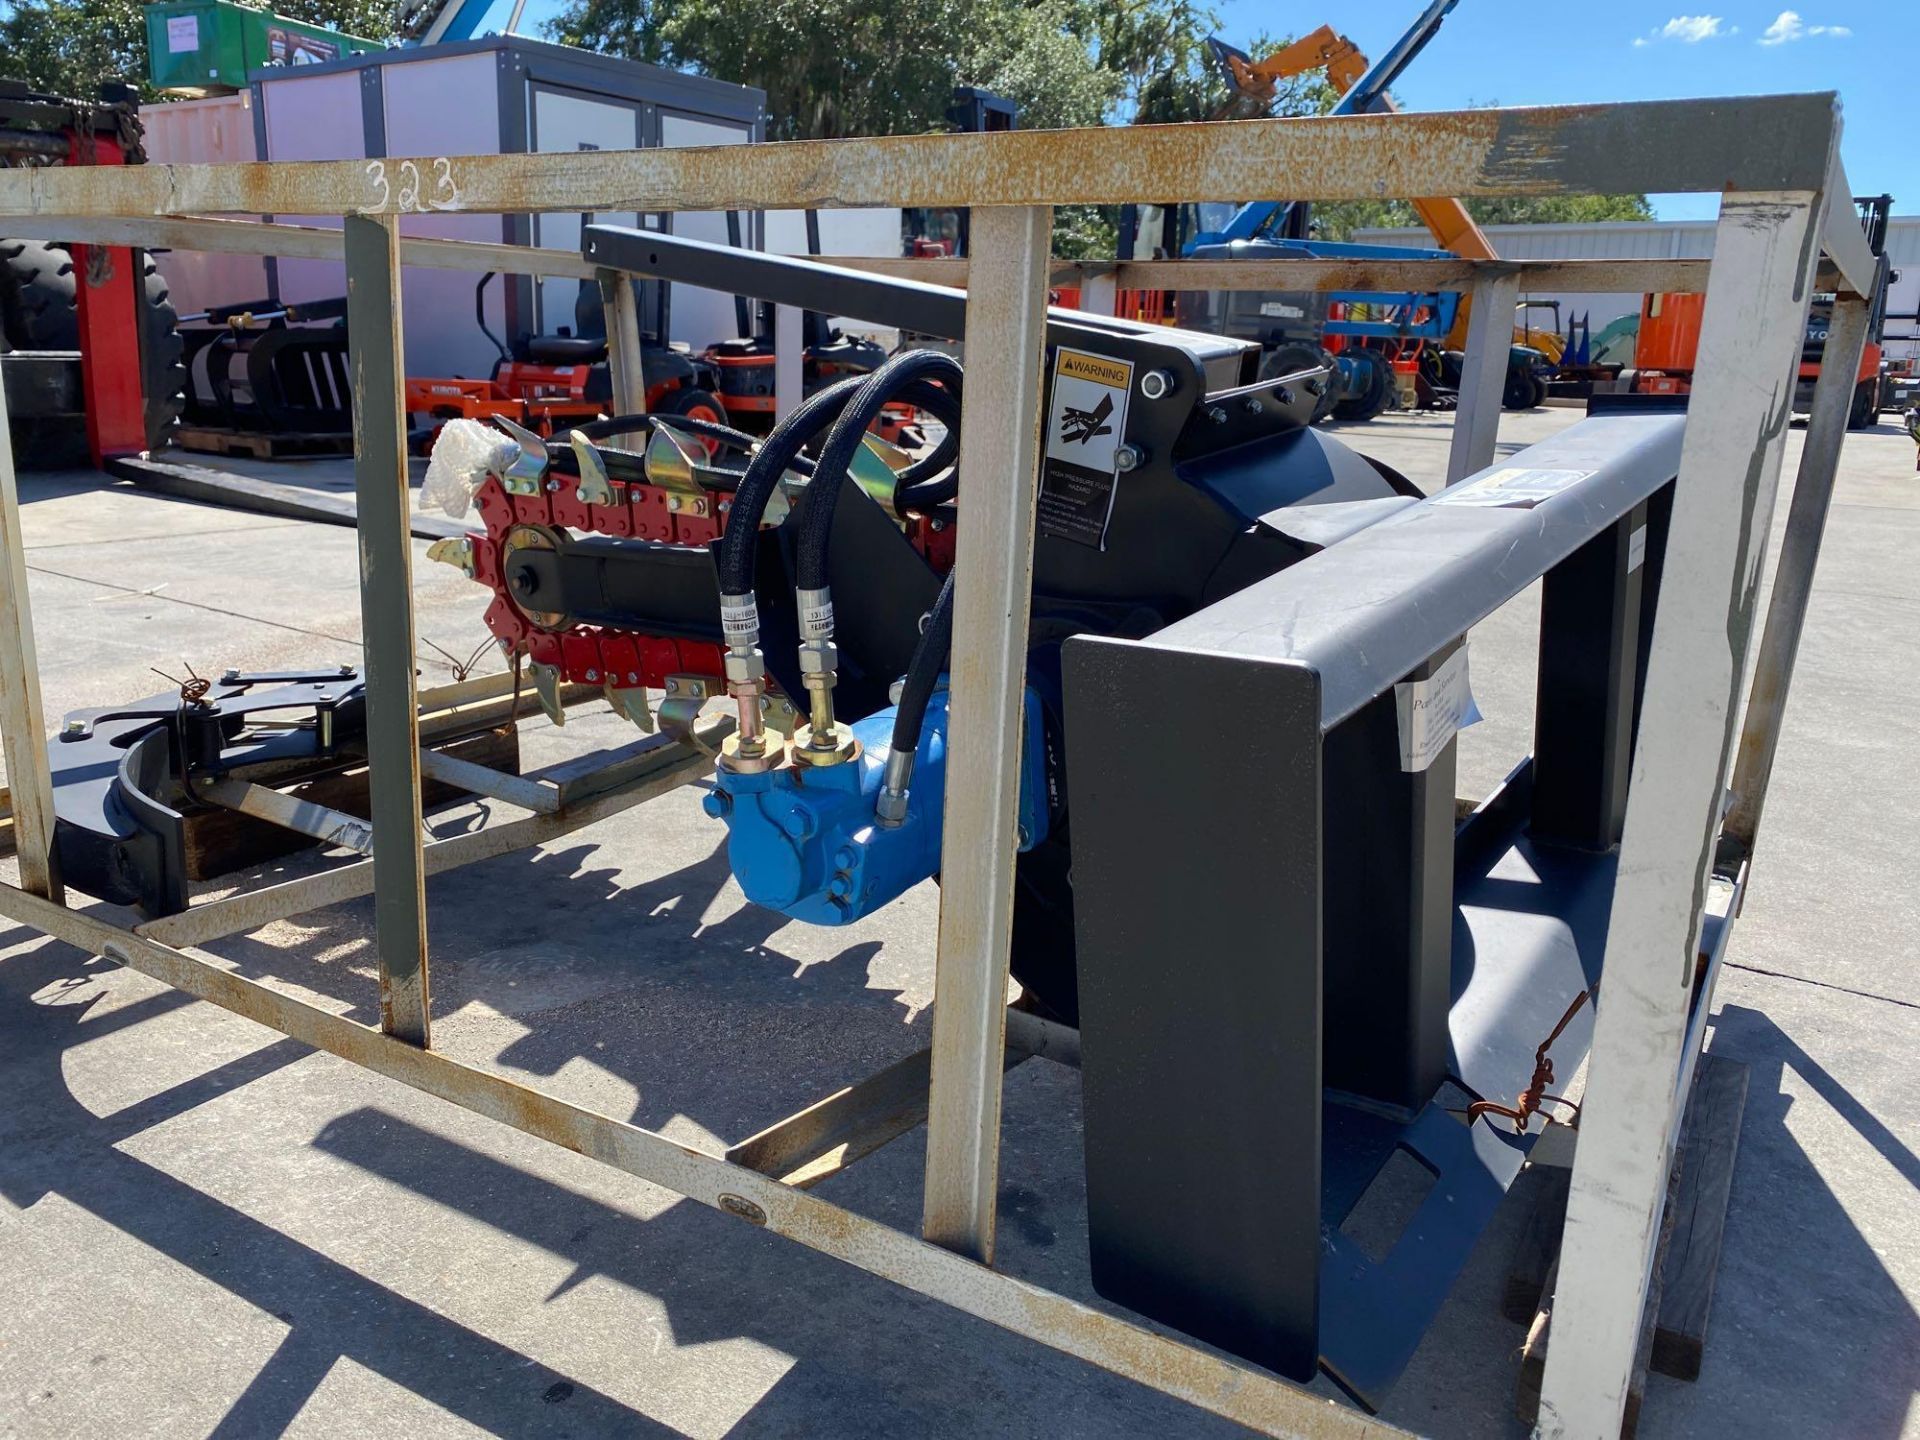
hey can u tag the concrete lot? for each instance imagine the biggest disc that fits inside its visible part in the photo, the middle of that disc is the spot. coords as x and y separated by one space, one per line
205 1229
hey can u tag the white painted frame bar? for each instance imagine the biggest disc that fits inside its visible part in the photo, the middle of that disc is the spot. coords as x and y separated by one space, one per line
1483 375
1793 577
23 725
1765 247
993 594
383 493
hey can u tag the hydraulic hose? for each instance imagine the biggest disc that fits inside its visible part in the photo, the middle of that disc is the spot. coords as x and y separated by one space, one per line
815 512
627 424
923 673
746 667
777 455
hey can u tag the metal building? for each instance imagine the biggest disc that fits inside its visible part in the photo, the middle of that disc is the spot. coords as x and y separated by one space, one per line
1669 240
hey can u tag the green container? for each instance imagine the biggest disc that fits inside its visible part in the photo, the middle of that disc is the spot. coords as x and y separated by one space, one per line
210 46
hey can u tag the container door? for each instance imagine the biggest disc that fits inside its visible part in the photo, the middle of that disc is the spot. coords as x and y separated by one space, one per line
701 317
571 120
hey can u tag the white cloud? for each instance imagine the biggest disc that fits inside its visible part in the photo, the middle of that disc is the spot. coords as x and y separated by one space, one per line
1687 29
1789 26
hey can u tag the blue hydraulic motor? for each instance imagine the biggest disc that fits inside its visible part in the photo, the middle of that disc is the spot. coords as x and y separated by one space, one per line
815 841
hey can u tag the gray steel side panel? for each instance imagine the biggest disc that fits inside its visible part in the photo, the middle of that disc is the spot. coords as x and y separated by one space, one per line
1343 611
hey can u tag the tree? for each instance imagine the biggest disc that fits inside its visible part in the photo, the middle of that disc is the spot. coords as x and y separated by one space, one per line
72 47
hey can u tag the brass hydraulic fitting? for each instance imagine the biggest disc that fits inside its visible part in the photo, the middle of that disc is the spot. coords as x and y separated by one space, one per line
822 741
745 751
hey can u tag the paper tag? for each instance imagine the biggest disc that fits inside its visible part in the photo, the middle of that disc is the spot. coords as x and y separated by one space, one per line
1511 489
1636 548
1434 710
183 33
1086 422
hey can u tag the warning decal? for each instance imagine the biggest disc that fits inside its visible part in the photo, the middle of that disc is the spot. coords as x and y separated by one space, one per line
1086 422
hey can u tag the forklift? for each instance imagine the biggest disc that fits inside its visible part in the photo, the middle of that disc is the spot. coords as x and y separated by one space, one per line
1663 355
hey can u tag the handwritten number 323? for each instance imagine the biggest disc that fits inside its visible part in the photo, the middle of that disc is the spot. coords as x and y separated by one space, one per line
445 196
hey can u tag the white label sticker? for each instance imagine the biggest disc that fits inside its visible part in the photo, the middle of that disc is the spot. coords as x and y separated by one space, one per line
1086 423
1636 548
1434 710
183 33
1511 489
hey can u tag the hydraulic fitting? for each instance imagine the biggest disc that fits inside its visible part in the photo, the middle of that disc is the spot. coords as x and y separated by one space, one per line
822 741
746 670
804 842
890 806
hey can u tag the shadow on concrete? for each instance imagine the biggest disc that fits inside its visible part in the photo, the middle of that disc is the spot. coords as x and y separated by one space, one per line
710 1022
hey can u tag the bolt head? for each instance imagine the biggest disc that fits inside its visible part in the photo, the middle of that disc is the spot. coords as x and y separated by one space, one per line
593 676
1216 414
1251 405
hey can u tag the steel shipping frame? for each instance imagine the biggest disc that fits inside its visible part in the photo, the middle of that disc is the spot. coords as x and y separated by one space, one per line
1785 203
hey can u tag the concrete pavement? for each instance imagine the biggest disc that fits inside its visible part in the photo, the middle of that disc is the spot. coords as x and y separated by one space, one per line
205 1229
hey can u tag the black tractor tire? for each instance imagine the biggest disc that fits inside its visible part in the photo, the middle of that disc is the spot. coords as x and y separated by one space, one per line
39 312
36 296
1865 410
163 355
1295 356
1371 394
1518 393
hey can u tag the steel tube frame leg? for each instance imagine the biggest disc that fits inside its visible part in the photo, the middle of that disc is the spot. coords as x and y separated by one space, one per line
386 622
1483 375
23 726
1000 455
789 360
1763 257
626 367
1793 579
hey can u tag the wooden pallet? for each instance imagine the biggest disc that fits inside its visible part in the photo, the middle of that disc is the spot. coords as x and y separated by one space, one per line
1673 1334
261 444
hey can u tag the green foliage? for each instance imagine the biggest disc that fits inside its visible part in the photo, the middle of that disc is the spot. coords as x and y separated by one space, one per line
1339 221
71 47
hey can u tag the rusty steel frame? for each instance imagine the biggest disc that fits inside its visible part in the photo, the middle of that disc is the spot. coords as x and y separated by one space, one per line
1774 160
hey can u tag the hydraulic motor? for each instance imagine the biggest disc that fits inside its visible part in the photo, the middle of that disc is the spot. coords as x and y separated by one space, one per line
807 840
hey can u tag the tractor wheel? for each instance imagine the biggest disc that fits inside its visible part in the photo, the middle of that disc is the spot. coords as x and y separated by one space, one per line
1291 359
38 308
1865 410
1518 392
696 404
1371 393
36 296
163 355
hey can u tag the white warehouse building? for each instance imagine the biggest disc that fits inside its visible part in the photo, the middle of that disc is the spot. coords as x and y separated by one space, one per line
1669 240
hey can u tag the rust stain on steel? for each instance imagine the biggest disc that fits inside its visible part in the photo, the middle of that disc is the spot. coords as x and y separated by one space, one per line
1756 142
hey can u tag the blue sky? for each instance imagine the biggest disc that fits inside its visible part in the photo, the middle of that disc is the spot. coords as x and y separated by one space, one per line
1564 51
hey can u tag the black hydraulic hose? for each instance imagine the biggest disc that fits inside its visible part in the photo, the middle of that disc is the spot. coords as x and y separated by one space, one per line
929 659
774 458
944 405
815 511
927 496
